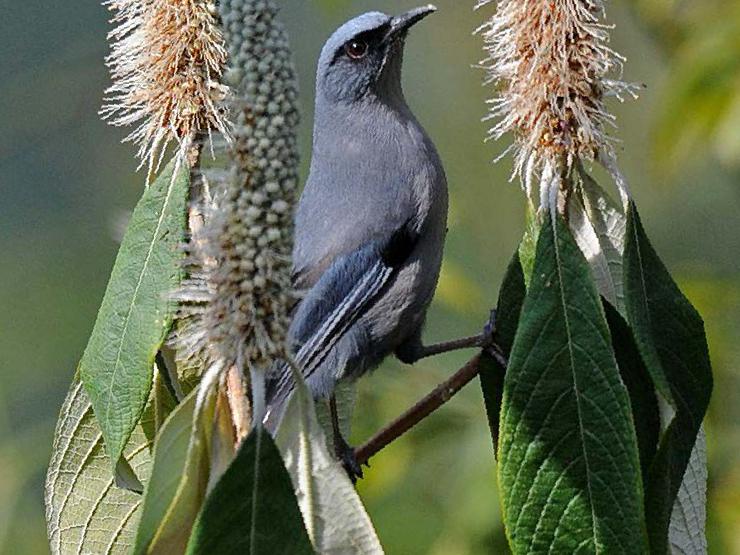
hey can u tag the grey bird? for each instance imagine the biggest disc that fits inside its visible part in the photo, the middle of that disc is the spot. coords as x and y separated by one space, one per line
371 222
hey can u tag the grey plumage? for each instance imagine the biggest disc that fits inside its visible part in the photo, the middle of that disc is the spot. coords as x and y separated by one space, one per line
371 221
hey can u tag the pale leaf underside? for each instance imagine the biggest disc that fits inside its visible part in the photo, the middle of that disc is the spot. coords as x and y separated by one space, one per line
85 511
598 226
332 510
688 520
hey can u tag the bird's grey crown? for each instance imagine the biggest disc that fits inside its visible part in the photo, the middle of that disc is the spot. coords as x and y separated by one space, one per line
364 23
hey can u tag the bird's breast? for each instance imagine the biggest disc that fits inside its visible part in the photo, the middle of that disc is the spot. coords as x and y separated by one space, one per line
367 178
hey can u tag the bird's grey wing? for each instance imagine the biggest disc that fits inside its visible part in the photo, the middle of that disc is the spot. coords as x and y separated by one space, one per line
351 284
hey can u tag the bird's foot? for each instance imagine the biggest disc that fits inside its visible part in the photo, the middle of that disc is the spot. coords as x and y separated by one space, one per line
489 331
345 454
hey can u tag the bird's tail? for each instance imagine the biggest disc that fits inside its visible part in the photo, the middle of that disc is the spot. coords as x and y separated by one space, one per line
278 388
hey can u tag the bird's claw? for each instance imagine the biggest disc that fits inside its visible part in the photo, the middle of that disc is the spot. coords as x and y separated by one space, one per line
489 345
345 453
489 330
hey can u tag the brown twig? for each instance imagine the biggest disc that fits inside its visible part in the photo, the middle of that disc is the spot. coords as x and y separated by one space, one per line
438 397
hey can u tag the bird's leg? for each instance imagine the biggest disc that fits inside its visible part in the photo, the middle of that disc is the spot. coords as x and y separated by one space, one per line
441 394
343 451
481 340
426 351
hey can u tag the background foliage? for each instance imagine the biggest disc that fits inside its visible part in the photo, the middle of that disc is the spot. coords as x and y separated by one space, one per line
68 186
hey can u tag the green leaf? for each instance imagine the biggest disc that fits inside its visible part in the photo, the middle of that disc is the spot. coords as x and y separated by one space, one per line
671 339
125 477
85 511
687 534
598 225
334 515
528 246
509 306
252 508
644 402
510 300
136 311
177 522
569 468
159 407
170 456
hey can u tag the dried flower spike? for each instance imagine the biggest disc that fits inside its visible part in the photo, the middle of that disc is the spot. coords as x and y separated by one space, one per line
166 63
235 307
551 62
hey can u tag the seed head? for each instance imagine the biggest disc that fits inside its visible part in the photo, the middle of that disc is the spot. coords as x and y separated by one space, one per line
236 304
553 68
166 61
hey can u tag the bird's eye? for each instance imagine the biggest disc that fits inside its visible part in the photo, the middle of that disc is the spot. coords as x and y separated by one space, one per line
356 49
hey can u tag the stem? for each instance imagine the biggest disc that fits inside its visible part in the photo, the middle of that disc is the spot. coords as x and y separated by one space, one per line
434 400
239 405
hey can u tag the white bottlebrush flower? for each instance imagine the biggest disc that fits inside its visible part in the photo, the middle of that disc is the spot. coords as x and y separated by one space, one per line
553 68
235 306
166 62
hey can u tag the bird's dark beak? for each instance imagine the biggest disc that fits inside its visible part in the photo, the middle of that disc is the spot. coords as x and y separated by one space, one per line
402 23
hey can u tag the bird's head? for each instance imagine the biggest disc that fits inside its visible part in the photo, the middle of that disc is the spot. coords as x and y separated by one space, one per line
363 57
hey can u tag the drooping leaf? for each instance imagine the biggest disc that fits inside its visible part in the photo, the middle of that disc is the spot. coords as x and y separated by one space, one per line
639 282
136 311
569 467
687 533
510 300
598 226
85 511
671 339
252 509
644 402
170 456
333 513
176 524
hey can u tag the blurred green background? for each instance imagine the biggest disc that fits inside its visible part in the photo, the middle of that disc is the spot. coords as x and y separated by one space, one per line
67 185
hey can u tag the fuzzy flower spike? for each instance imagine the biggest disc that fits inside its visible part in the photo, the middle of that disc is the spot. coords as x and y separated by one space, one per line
166 63
551 63
235 307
